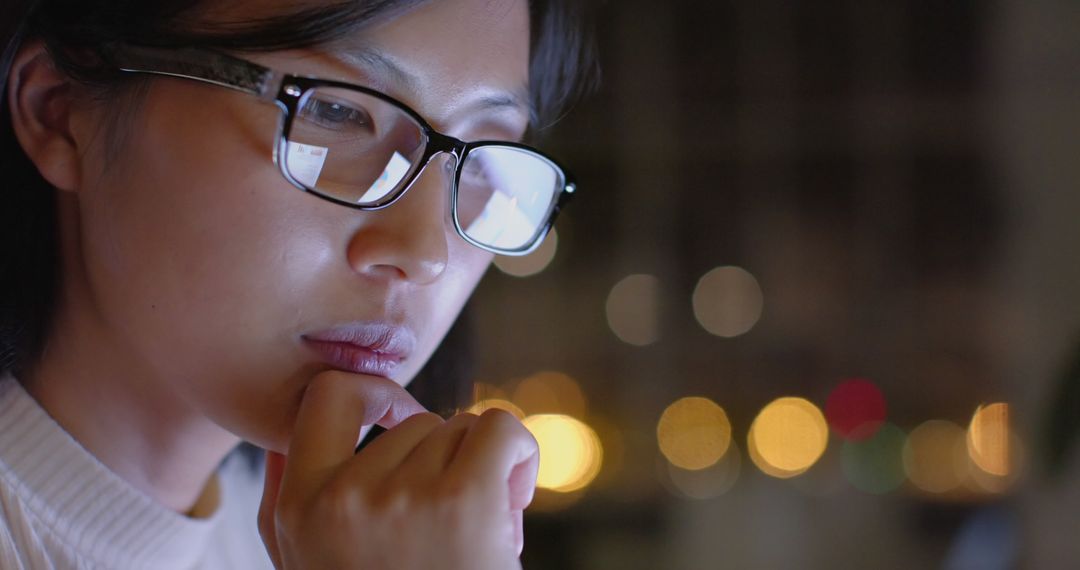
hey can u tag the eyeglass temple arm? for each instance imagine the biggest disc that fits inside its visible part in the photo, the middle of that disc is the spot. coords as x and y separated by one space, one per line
198 64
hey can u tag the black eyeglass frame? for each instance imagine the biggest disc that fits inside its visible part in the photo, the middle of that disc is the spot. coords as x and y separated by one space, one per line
287 90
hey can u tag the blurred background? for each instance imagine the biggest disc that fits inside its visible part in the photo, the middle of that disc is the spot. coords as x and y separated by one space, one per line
816 303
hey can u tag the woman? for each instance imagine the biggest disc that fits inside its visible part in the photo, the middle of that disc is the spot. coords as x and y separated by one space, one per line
255 221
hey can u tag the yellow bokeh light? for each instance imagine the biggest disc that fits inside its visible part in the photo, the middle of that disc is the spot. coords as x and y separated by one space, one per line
728 301
992 483
550 393
485 391
496 403
988 439
633 310
535 262
693 433
787 437
707 483
570 452
935 456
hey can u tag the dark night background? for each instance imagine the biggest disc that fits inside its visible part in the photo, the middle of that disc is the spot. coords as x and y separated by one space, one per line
900 178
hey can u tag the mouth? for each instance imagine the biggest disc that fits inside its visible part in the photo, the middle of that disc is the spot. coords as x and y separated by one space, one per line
372 348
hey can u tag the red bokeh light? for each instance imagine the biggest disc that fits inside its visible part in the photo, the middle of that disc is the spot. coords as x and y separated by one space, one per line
855 409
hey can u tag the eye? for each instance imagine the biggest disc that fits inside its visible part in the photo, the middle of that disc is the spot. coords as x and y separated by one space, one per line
336 115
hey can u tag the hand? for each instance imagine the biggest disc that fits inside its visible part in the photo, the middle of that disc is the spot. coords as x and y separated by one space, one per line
426 494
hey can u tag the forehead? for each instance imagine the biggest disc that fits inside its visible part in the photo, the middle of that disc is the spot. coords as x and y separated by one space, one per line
443 53
458 50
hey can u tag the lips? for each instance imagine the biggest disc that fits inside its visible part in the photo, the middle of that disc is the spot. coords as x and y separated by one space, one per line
376 349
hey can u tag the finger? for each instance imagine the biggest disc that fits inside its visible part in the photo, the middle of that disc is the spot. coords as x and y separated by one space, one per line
495 445
334 407
518 524
383 456
275 467
522 482
432 456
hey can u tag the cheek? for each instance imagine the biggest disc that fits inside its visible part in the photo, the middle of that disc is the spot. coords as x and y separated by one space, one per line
465 268
445 300
206 264
200 259
195 224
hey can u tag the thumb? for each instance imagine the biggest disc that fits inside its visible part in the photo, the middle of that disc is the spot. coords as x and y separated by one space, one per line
275 468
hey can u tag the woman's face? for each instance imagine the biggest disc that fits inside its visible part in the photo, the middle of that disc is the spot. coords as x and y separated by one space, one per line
208 270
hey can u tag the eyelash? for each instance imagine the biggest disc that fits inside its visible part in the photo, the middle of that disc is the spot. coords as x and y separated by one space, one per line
315 111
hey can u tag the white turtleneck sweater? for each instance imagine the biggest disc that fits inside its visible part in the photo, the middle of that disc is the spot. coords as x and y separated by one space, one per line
61 508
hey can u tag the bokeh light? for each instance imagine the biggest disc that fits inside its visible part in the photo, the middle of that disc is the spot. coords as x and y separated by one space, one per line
633 309
496 403
935 456
988 439
485 391
995 451
728 301
996 484
787 437
826 479
550 393
875 464
570 452
707 483
855 409
614 446
693 433
535 262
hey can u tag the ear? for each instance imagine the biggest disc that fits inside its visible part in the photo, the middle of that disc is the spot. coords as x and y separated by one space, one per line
39 99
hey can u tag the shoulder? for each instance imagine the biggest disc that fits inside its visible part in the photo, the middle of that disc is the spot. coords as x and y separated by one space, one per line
22 544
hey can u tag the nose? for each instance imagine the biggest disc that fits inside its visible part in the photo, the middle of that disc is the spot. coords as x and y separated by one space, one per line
408 240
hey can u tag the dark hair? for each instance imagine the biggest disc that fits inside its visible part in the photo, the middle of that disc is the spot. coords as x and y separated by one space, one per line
563 67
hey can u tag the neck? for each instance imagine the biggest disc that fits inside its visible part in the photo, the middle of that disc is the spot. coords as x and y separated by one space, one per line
151 441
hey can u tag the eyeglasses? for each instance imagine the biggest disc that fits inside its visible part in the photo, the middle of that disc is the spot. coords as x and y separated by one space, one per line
363 149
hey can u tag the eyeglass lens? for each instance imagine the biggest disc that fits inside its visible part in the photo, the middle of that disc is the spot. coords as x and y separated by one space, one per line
357 148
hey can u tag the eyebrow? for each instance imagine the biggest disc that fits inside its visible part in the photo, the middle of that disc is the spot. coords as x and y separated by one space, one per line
368 56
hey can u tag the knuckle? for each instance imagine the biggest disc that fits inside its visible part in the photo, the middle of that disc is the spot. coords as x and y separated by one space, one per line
339 511
341 501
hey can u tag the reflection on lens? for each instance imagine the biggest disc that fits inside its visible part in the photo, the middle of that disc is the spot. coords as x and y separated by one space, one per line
393 174
505 195
352 147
